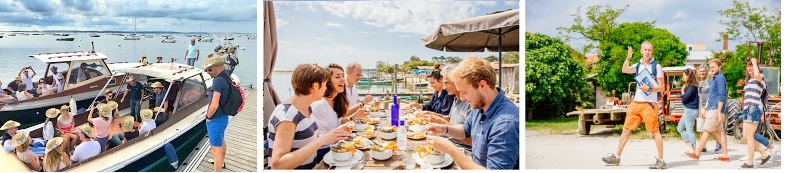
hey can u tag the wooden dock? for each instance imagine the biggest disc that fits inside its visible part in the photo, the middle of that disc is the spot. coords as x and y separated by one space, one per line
241 140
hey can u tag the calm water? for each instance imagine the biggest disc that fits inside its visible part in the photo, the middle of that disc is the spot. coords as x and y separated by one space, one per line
14 51
282 82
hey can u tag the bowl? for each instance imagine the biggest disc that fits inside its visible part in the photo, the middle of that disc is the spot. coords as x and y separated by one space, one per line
359 126
417 127
342 156
434 158
387 136
384 155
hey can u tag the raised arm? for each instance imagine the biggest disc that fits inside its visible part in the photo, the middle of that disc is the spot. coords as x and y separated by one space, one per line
626 68
756 74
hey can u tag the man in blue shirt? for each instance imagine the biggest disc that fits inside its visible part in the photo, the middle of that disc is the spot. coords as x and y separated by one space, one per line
217 119
493 124
135 90
192 53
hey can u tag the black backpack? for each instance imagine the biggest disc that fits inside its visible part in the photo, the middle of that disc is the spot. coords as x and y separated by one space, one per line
235 99
233 61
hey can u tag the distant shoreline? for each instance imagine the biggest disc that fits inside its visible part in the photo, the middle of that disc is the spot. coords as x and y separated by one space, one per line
283 71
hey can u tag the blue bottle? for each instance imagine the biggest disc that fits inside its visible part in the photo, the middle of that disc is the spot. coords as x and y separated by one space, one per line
394 112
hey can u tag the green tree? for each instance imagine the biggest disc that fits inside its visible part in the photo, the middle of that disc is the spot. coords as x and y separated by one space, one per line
600 23
453 59
667 51
749 24
554 80
510 57
491 58
733 68
414 62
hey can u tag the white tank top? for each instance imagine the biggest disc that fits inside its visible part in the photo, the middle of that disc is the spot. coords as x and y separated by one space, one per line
20 96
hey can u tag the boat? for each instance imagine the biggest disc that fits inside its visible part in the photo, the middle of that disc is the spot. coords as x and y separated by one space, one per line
424 84
174 139
12 34
65 39
206 40
229 38
65 34
1 36
38 34
168 41
31 111
148 36
369 82
252 37
131 38
94 35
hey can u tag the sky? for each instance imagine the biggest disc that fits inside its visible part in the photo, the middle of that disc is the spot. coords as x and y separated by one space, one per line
691 21
222 16
366 32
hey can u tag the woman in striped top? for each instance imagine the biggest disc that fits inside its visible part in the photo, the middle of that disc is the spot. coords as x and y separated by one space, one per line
294 139
754 87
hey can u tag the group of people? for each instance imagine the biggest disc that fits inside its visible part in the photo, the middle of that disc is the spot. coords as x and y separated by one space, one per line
326 103
63 143
705 105
24 88
228 55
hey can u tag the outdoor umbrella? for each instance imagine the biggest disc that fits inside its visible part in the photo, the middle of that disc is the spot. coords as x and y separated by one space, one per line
271 47
495 32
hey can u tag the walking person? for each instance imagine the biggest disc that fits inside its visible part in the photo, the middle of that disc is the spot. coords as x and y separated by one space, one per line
690 101
217 119
136 90
649 79
713 113
704 93
192 53
753 106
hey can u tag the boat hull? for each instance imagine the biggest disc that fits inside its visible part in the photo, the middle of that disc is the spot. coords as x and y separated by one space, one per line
157 161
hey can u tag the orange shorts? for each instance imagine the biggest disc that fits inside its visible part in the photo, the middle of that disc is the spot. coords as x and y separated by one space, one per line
642 111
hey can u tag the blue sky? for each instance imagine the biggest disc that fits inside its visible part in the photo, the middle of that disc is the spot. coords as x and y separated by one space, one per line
151 15
694 21
340 32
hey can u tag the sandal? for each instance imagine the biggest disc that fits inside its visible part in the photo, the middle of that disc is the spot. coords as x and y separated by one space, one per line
723 159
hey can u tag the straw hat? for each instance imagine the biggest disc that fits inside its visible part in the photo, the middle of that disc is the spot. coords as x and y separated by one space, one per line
65 108
19 139
105 110
87 130
130 78
158 109
127 123
113 104
53 144
108 91
146 114
214 62
52 113
18 78
221 51
10 124
157 85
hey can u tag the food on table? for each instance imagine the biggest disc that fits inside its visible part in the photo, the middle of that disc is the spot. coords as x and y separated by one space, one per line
417 135
386 146
390 129
423 151
343 147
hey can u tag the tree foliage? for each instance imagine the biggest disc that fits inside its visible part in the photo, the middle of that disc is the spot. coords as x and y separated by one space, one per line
749 24
595 26
510 57
554 80
414 62
491 58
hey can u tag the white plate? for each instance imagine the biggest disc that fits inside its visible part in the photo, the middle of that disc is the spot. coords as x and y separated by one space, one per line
328 159
447 162
364 130
420 128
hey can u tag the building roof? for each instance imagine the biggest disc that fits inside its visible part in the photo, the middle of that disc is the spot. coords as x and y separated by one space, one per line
68 56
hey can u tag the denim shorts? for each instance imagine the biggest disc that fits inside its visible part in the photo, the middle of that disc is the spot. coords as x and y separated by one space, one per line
752 114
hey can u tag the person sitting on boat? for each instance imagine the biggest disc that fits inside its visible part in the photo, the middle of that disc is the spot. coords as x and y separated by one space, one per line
55 158
27 78
13 86
10 127
81 73
49 130
160 95
136 91
22 94
440 101
66 125
102 123
89 147
44 88
129 133
294 141
159 59
160 115
60 83
148 123
55 75
331 111
21 142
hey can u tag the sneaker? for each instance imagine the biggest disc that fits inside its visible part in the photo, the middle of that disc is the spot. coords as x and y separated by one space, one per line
659 164
764 160
611 159
774 151
704 150
211 161
744 158
746 166
718 148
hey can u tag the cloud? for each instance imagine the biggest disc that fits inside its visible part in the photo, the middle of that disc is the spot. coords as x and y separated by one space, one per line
38 6
281 22
680 14
79 5
331 24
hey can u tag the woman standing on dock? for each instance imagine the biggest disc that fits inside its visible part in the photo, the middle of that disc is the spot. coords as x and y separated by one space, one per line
440 101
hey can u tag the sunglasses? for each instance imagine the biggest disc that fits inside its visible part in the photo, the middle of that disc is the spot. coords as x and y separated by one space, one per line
209 70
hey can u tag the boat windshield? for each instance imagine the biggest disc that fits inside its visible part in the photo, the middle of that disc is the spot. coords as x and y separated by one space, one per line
86 70
193 87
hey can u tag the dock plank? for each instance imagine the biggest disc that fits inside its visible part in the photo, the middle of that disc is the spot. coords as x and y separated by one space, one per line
240 138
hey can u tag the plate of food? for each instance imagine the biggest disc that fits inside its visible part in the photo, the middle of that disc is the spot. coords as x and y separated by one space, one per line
382 151
366 134
427 155
388 133
342 154
416 135
418 124
361 142
372 121
360 125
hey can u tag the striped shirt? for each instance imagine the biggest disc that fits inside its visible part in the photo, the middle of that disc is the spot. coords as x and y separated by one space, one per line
753 90
305 131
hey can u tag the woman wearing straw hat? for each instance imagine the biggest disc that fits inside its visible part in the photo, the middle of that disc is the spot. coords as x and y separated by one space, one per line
66 125
89 147
21 141
10 127
55 159
148 124
102 124
49 131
